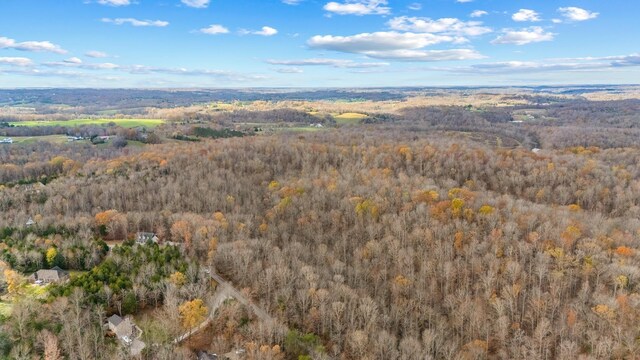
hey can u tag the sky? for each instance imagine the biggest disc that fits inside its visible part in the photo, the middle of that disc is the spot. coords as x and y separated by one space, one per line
317 43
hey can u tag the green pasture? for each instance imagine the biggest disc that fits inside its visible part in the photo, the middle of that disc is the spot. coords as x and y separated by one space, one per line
349 118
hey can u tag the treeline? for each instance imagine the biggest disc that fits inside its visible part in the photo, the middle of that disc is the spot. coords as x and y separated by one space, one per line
43 161
95 100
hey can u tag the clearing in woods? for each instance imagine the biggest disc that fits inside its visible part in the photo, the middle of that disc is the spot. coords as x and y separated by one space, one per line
54 139
349 118
5 308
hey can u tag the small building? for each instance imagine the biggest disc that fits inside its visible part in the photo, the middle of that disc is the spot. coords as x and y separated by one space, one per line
203 355
127 332
145 237
30 222
536 150
54 275
121 327
238 354
6 141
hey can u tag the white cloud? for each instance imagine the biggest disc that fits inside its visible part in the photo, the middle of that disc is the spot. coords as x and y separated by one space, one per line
214 30
415 6
524 36
217 74
464 1
96 54
526 15
16 61
378 41
70 70
427 55
570 64
115 2
292 2
478 13
577 14
73 60
136 22
74 63
450 26
337 63
393 45
289 70
35 46
359 7
265 31
198 4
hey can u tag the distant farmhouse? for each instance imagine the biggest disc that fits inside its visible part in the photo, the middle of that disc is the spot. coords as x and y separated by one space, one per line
6 141
127 332
54 275
203 355
145 237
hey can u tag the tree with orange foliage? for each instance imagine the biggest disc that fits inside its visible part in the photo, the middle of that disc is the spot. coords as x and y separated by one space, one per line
624 251
182 231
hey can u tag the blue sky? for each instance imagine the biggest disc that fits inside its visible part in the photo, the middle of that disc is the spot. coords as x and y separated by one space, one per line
317 43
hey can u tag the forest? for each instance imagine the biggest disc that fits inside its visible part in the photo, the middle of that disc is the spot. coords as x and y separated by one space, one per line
502 227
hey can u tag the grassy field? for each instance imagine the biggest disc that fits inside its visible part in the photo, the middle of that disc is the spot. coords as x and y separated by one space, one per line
349 118
127 123
34 291
55 139
5 308
30 291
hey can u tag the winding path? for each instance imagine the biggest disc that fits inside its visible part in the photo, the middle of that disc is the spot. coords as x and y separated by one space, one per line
224 292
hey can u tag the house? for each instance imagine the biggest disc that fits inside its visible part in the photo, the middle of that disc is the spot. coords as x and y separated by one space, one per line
235 355
30 222
145 237
203 355
54 275
127 332
123 328
6 141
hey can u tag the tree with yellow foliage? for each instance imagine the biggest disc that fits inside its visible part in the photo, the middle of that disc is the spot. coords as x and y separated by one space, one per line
178 279
52 254
14 281
193 313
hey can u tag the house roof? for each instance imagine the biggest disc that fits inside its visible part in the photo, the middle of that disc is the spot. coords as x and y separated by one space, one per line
54 273
145 235
115 320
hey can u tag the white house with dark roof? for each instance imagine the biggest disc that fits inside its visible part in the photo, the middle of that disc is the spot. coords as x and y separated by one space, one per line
145 237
